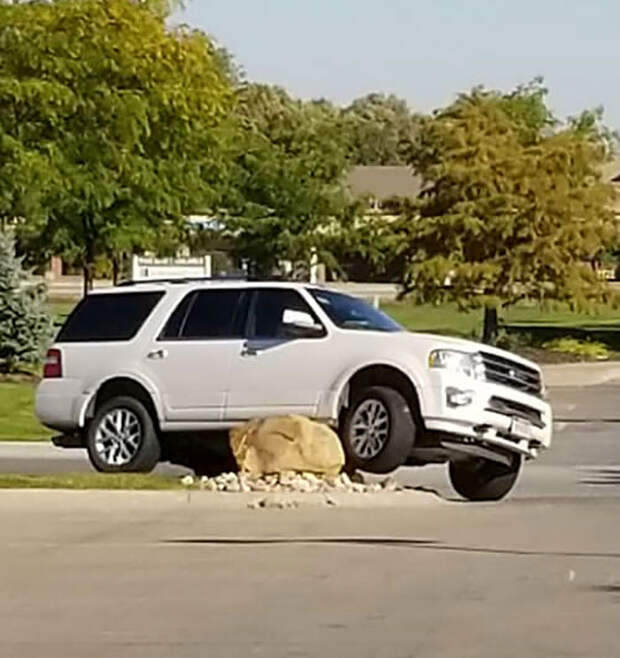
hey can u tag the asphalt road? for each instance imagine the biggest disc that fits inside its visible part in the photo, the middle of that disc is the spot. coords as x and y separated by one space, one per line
166 575
158 575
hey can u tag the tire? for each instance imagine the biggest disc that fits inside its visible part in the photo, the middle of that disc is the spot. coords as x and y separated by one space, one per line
478 479
109 452
388 446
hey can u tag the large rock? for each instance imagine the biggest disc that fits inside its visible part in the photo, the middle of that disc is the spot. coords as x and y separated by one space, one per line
286 443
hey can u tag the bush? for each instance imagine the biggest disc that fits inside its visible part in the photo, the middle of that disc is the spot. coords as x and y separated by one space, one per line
514 341
584 349
25 326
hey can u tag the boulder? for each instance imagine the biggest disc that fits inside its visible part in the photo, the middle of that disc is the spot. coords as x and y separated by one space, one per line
286 443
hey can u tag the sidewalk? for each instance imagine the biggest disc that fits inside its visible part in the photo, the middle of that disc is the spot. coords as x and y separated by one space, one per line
581 374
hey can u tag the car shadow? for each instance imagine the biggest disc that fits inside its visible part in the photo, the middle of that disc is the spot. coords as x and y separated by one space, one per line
206 454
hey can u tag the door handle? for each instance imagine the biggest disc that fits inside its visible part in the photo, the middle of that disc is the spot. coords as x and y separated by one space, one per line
157 354
250 350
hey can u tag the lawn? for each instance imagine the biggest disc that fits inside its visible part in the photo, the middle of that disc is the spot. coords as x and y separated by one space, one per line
542 324
17 420
132 481
60 307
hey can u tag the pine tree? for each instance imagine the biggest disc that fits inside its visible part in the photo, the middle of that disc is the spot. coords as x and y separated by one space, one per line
25 326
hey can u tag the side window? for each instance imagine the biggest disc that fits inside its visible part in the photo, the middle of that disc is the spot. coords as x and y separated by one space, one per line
269 307
176 322
109 317
208 314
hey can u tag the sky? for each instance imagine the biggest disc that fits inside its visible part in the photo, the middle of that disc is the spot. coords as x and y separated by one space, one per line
425 51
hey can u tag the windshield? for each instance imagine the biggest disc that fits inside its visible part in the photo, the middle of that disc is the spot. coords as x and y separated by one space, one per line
351 313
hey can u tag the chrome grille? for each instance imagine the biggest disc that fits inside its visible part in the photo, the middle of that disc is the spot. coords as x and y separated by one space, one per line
511 373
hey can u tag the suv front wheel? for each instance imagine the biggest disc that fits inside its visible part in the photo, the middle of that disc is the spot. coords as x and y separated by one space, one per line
378 430
479 479
121 438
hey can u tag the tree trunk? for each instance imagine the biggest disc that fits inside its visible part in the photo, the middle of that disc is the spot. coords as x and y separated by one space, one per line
87 278
115 269
489 333
87 268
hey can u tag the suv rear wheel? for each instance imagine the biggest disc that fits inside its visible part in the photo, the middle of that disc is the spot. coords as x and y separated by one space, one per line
121 438
377 431
479 479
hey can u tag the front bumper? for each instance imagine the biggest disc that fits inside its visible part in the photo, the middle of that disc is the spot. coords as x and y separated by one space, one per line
480 422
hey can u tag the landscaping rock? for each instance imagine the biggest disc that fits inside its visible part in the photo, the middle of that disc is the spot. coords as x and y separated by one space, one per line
390 484
291 482
286 444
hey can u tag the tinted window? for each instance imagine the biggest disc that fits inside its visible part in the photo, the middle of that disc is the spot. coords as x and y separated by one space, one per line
177 319
108 317
215 314
351 313
269 308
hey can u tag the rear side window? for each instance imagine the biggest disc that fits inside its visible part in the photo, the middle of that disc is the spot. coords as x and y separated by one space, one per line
208 314
108 317
177 319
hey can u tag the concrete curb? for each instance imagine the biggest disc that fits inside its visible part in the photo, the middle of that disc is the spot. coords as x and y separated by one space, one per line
96 500
581 374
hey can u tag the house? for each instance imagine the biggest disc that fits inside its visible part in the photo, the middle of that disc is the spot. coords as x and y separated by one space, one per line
379 184
611 174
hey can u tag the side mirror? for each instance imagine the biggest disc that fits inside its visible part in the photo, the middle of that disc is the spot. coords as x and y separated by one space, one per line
299 324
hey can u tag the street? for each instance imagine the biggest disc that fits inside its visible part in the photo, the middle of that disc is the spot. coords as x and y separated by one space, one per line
119 574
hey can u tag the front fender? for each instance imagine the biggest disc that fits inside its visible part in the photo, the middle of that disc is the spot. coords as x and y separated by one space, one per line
413 371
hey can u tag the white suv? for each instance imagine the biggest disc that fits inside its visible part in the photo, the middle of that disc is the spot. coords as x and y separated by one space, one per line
146 360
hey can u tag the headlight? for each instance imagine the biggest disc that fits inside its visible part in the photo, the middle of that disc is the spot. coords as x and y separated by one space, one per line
470 365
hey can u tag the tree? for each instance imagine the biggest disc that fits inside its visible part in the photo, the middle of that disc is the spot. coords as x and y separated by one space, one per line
287 188
514 206
379 129
25 327
124 116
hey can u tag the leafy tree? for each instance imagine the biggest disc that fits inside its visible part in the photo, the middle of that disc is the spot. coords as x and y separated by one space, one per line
25 327
122 116
379 129
514 205
286 189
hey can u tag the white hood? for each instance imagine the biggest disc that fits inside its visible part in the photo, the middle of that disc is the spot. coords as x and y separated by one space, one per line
436 341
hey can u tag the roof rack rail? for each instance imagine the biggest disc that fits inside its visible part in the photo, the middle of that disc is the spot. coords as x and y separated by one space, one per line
180 280
192 279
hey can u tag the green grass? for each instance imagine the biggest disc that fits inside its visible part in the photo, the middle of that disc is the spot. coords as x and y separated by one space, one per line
543 323
17 419
444 319
137 482
60 307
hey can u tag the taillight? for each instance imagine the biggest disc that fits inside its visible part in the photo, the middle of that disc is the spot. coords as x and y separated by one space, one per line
53 364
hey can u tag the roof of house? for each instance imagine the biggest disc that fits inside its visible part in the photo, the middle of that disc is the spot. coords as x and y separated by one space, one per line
383 182
611 171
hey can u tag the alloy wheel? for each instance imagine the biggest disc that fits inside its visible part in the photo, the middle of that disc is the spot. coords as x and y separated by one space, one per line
118 437
370 429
